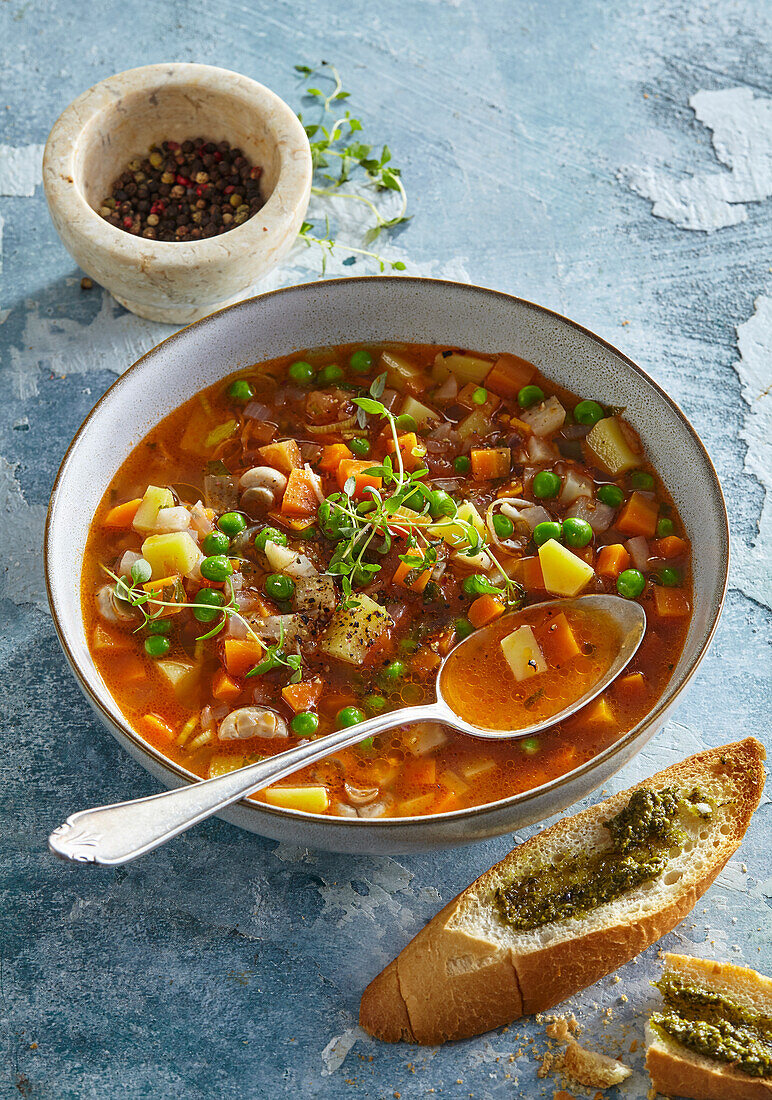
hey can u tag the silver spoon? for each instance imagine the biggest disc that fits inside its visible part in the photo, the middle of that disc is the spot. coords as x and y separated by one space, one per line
111 835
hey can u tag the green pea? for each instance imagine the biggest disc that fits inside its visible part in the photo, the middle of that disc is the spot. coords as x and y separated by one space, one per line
394 671
577 532
406 422
588 412
550 529
159 626
212 601
157 646
360 447
631 583
463 628
669 577
304 724
477 585
462 464
240 390
279 587
374 704
642 479
328 375
366 743
503 526
546 485
361 361
231 523
350 716
530 746
480 395
301 372
530 395
141 571
441 504
408 645
665 527
269 534
216 568
611 495
216 543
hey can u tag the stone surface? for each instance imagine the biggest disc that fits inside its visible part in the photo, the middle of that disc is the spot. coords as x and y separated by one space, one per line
226 965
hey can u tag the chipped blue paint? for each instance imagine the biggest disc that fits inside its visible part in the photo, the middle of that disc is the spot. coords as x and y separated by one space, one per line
223 964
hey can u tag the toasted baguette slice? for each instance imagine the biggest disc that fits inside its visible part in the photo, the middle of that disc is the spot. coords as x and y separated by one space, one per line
677 1071
468 971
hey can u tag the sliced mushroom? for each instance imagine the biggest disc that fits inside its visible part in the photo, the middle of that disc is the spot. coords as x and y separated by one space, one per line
255 502
264 477
111 609
360 796
248 722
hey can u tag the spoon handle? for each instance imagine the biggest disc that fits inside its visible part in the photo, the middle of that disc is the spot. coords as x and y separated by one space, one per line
111 835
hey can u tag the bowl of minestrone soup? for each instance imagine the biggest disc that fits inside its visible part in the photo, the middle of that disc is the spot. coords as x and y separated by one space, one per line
284 518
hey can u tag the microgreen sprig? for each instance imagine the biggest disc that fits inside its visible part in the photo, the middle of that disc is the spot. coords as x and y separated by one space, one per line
334 145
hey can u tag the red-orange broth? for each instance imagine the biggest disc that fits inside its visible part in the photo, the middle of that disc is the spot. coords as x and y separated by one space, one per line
484 436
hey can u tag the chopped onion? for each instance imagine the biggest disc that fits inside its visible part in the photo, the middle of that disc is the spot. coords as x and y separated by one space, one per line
575 485
546 418
128 558
448 484
316 484
425 737
638 549
200 521
329 429
448 391
531 515
255 411
541 451
310 452
599 516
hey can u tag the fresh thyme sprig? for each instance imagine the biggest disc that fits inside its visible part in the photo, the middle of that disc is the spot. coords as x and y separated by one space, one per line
333 143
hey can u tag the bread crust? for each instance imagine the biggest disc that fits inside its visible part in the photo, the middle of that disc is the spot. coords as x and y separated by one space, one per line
453 984
676 1075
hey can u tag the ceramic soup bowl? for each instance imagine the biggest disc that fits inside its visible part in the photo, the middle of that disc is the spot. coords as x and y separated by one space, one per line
371 310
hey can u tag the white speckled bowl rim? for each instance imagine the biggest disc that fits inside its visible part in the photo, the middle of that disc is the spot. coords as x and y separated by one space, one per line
376 309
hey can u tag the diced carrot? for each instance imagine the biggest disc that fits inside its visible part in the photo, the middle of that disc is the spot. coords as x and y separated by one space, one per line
529 573
670 547
104 639
633 684
122 515
284 456
332 456
557 641
490 463
169 590
612 560
154 724
509 374
300 497
421 771
425 661
638 516
130 671
224 688
513 488
670 603
520 426
352 467
408 443
303 696
485 609
298 524
598 712
467 397
407 576
241 654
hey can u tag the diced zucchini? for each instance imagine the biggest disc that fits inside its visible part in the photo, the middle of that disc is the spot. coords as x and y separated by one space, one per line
312 800
609 445
182 676
467 368
152 502
172 554
422 414
224 763
401 374
523 654
476 425
564 573
453 530
353 630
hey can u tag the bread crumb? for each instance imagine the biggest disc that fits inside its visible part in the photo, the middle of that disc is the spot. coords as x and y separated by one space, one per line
591 1069
546 1066
633 1046
560 1028
561 1094
623 997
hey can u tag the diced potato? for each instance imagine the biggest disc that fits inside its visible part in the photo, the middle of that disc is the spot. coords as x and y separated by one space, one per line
174 553
475 768
422 414
152 502
453 782
452 530
182 676
476 425
312 800
564 573
412 807
224 763
283 560
608 443
523 654
354 630
467 368
401 374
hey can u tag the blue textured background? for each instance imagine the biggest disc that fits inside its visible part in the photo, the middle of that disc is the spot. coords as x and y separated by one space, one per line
224 965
